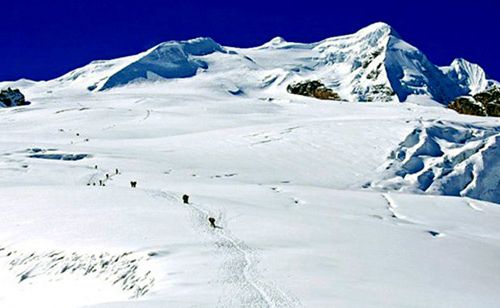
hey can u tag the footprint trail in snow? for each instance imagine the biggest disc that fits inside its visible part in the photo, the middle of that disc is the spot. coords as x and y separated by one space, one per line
243 286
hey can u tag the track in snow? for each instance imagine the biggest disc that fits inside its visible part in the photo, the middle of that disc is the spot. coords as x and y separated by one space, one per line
243 286
392 208
238 274
401 219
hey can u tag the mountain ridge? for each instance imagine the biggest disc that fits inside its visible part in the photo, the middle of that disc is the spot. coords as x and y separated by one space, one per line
372 64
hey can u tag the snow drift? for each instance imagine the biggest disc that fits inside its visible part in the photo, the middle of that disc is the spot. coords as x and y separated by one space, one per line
447 158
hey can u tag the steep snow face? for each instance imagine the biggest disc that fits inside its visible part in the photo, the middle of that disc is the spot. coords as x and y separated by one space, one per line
351 65
470 77
410 72
373 64
167 60
357 62
92 76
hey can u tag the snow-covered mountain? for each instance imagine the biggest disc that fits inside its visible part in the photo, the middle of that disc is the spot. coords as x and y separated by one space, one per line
373 64
470 77
316 203
167 60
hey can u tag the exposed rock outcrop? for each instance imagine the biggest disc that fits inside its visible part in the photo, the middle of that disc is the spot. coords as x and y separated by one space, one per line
12 98
313 88
468 105
486 103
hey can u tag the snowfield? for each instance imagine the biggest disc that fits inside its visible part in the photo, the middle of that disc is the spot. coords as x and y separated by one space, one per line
317 203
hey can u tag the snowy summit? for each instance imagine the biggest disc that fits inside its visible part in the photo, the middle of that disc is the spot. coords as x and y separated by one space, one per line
326 174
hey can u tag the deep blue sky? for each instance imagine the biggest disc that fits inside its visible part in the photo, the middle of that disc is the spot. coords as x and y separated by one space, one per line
44 39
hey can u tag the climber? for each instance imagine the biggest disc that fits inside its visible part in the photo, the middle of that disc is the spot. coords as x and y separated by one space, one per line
212 222
185 199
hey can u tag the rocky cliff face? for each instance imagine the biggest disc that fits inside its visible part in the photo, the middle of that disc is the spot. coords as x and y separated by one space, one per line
486 103
11 98
313 88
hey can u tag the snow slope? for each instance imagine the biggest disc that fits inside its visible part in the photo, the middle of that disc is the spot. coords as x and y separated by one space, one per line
283 176
318 204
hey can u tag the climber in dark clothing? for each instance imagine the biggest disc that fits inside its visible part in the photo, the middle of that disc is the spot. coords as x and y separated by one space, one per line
212 222
185 199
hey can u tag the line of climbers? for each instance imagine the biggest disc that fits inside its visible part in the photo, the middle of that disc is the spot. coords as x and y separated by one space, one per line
133 184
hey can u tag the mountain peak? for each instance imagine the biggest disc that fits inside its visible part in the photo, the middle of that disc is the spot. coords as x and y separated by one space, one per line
199 46
469 76
380 29
277 40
